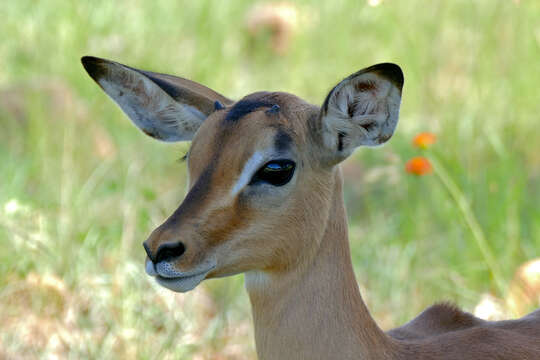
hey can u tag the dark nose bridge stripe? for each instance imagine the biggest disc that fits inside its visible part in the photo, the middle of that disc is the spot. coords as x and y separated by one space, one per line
194 198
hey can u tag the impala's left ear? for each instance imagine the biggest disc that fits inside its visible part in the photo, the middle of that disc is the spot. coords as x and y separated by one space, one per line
363 109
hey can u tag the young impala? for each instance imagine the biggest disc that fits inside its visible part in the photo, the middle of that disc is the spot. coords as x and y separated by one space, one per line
265 199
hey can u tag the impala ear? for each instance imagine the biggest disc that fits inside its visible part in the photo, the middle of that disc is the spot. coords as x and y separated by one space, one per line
363 109
165 107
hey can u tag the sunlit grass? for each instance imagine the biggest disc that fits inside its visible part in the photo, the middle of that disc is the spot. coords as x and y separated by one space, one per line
81 188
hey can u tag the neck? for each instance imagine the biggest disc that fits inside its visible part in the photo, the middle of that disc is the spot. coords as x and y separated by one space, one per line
315 310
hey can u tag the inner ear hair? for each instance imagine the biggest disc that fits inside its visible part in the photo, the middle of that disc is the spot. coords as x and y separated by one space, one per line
165 107
362 110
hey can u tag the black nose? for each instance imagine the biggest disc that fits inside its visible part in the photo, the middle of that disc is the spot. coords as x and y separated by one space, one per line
167 252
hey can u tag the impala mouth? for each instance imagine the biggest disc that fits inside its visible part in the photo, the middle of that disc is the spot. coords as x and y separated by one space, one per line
184 283
177 281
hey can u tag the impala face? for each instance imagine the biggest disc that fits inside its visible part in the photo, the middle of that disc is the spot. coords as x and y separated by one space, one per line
240 212
260 169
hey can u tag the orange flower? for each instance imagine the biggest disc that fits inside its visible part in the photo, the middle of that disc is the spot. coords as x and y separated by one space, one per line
424 140
418 165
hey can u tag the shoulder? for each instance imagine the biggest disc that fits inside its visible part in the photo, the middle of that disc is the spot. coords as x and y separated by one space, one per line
436 320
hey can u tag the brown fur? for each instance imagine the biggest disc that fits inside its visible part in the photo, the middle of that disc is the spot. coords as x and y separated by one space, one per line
311 309
292 242
364 86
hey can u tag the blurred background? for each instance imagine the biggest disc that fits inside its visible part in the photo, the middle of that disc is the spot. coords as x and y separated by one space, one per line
81 187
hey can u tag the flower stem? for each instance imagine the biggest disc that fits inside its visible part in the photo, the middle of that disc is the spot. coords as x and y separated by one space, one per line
471 221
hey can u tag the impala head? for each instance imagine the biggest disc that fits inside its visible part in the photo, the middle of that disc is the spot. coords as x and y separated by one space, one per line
261 170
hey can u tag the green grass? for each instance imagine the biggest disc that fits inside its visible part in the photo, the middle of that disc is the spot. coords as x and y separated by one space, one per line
81 188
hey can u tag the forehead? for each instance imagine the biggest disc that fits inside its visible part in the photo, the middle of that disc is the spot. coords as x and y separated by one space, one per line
251 124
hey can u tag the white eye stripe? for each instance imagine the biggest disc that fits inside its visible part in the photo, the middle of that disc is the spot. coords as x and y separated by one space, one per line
251 166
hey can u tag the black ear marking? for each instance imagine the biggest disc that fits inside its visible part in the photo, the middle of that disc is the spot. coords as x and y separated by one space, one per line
218 106
95 67
273 110
341 135
150 133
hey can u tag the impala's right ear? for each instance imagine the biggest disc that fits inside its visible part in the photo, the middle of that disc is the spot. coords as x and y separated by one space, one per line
165 107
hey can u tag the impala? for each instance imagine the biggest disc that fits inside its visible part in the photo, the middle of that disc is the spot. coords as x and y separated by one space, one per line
265 199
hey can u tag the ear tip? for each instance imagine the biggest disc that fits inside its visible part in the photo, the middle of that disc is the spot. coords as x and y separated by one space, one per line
94 66
390 71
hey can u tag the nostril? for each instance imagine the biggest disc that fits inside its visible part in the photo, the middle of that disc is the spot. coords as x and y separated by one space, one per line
148 252
169 251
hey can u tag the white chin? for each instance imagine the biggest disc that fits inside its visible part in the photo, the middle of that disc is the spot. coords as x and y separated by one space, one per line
181 284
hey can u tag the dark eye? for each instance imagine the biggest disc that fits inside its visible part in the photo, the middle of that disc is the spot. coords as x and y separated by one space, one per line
275 172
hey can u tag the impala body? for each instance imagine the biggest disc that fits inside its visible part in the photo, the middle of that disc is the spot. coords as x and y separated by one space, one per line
265 199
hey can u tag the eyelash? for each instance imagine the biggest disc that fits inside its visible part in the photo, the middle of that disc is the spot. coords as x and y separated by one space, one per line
184 157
